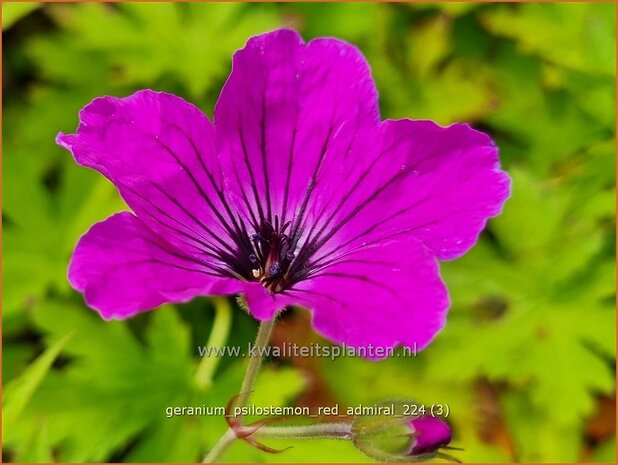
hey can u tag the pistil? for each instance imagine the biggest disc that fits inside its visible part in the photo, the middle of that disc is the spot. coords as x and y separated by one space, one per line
272 254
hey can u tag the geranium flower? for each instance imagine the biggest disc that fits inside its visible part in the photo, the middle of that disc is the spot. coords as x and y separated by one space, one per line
429 434
403 439
297 194
399 436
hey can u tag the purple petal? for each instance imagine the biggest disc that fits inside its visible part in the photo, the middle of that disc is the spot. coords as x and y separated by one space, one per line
123 268
384 295
436 184
159 151
262 304
286 108
298 139
429 433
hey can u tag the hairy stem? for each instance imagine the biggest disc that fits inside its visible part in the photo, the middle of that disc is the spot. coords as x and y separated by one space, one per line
253 368
255 362
318 431
220 447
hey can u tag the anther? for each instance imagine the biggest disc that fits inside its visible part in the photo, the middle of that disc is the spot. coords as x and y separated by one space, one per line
274 269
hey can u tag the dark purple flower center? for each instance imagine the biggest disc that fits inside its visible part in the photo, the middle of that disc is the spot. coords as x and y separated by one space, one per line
272 254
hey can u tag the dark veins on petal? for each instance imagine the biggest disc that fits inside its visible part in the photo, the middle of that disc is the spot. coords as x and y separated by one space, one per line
264 246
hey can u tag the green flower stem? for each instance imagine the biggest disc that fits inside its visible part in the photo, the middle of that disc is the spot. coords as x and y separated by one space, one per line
253 368
318 431
218 336
341 431
255 362
220 447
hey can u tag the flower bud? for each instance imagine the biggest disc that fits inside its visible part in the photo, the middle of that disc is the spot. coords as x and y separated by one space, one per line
393 435
429 434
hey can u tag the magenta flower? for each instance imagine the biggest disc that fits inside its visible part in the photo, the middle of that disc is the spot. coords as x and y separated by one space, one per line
428 434
402 438
297 194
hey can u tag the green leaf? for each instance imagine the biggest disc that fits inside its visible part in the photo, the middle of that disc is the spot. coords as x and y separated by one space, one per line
537 439
578 35
39 449
148 39
15 360
20 390
14 11
36 262
108 386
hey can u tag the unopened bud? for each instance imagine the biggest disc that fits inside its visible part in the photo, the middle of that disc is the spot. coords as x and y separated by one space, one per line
429 434
395 436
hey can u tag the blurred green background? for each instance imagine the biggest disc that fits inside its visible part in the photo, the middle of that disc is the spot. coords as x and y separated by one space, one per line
526 362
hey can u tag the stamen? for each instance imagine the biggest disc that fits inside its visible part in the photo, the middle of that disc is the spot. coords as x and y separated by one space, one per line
274 269
273 252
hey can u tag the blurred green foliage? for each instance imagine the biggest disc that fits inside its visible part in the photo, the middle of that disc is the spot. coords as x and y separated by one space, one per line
527 360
